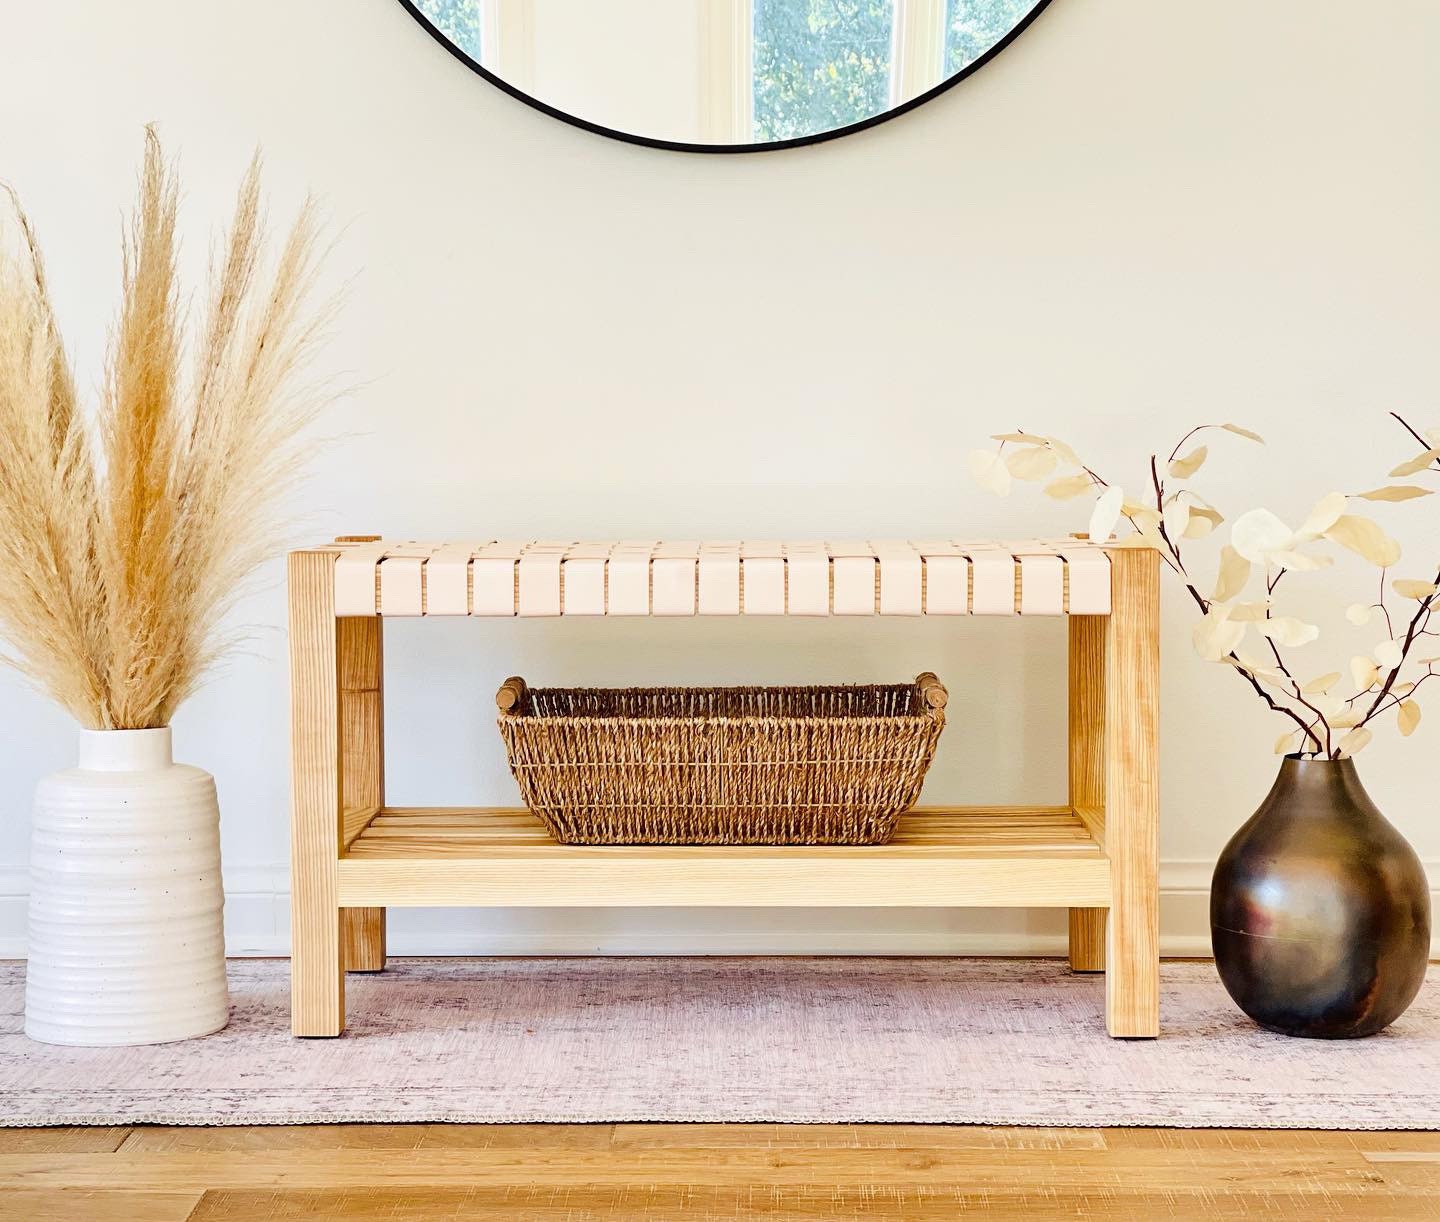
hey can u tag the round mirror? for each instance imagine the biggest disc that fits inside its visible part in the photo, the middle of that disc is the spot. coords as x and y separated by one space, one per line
724 75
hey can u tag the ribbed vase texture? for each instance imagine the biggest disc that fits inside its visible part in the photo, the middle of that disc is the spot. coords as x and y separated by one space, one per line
126 936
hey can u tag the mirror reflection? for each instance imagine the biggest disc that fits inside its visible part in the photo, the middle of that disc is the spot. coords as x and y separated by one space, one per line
724 72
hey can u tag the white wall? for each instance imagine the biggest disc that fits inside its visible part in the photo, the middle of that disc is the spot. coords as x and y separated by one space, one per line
596 60
1132 221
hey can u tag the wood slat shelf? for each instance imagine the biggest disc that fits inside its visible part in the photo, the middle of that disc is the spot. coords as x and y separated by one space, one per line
398 832
992 856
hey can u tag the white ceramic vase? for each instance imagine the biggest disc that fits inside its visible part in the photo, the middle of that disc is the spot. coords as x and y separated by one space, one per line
126 936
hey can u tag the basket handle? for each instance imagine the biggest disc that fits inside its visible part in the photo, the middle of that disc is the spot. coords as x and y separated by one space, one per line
932 691
511 694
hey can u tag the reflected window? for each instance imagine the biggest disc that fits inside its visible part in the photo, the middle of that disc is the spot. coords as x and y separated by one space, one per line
735 73
458 20
972 27
819 64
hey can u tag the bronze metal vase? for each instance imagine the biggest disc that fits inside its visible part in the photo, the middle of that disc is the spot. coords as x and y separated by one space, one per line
1320 909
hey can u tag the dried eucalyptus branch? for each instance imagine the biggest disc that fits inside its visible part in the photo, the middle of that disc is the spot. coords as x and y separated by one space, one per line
1170 516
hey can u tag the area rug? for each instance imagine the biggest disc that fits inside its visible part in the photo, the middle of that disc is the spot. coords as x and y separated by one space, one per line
956 1041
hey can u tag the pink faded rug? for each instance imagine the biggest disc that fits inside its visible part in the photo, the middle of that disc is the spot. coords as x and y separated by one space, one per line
962 1041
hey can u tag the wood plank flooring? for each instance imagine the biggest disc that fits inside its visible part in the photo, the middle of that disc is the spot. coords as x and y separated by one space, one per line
660 1173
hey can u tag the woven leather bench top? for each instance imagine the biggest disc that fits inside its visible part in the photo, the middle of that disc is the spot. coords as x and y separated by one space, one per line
733 577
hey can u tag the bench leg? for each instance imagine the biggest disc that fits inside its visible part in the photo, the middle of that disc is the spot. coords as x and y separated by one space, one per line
317 979
1087 939
362 933
361 661
1132 791
1087 771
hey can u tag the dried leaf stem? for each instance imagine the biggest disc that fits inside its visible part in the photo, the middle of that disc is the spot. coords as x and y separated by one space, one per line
1260 538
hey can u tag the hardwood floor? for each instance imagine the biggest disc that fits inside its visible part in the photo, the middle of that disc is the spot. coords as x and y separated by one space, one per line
656 1173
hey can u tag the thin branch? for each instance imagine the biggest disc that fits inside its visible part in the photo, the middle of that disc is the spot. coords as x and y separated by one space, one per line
1404 424
1419 620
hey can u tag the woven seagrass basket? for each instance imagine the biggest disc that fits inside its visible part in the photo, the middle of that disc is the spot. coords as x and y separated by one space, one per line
728 765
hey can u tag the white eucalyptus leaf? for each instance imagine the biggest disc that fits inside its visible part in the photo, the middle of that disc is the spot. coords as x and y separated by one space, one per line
1300 562
1106 513
1388 654
1068 487
1234 574
1216 636
1322 683
1250 612
1286 742
1363 672
1256 670
1327 511
1145 518
1408 717
1203 521
1359 614
1287 631
1176 519
1019 439
1258 533
1364 538
989 471
1395 492
1354 742
1344 720
1416 464
1328 706
1418 590
1030 462
1184 468
1066 453
1238 431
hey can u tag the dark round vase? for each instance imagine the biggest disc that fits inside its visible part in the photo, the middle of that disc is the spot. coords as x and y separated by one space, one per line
1320 909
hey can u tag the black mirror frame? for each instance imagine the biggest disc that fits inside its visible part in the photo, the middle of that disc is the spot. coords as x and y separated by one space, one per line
681 146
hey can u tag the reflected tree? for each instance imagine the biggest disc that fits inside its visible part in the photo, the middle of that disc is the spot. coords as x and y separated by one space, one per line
972 27
819 64
458 20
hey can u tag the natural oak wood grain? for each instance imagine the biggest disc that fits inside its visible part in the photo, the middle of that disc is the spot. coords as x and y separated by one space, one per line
988 856
96 1205
1335 1173
853 1137
376 1137
317 979
1087 939
1086 689
361 661
1132 794
763 1203
71 1139
665 1173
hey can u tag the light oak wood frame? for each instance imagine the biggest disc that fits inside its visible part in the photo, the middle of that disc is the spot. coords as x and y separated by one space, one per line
352 856
1114 682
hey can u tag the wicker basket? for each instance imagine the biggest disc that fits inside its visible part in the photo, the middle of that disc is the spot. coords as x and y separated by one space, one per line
737 765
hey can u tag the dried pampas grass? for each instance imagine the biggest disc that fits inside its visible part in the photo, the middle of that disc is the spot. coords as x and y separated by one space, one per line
123 543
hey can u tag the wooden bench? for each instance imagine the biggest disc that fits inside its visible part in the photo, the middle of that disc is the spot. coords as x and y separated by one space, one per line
353 856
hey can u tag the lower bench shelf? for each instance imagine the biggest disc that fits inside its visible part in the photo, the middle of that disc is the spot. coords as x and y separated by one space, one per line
995 856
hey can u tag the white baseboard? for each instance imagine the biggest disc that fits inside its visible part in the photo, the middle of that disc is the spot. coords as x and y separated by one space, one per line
257 923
